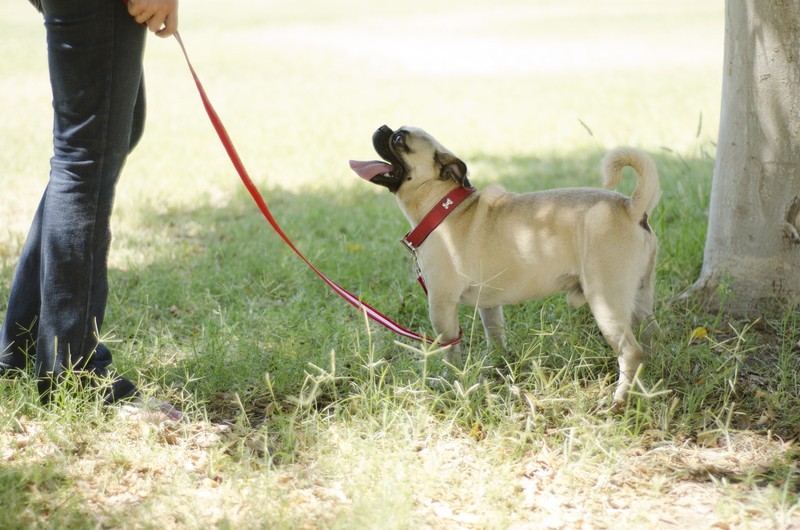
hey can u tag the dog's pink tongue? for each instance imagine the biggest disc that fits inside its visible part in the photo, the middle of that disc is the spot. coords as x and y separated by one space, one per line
370 169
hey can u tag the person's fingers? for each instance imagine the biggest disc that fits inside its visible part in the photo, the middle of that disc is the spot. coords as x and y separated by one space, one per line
155 22
160 17
134 8
170 26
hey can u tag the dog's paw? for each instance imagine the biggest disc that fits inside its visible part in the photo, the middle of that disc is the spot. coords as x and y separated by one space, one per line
603 408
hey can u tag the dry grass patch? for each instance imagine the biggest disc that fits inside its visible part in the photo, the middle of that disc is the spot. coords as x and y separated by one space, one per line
407 468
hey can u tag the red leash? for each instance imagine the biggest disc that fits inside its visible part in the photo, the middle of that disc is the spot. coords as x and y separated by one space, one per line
355 301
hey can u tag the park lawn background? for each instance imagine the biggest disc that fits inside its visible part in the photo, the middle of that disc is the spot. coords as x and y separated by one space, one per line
304 416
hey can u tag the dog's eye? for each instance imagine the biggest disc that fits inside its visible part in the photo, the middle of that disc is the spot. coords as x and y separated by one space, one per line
399 141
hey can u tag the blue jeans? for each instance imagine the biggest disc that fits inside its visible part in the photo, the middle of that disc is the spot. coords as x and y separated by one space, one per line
60 286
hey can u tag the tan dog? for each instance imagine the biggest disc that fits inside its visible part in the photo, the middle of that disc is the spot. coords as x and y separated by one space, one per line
498 248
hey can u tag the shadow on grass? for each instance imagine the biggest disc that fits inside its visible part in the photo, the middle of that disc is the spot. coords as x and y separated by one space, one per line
226 302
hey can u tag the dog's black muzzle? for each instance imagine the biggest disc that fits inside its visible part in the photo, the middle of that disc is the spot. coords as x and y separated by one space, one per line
382 141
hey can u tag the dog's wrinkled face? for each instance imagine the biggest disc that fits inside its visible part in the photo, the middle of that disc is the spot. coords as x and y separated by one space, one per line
411 156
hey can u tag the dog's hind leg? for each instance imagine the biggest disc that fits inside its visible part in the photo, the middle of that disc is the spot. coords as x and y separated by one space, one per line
614 322
629 357
575 298
629 360
646 323
643 318
494 326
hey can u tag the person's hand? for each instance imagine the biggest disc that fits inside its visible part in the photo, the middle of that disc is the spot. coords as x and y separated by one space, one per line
160 16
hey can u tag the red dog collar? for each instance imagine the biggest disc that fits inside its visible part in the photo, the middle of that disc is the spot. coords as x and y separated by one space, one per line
449 202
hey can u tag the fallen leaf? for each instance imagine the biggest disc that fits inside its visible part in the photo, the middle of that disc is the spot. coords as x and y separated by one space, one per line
699 333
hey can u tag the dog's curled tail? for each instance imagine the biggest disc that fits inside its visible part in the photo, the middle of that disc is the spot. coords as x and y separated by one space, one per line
645 196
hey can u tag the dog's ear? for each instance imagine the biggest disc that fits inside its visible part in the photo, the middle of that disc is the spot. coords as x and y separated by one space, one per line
452 167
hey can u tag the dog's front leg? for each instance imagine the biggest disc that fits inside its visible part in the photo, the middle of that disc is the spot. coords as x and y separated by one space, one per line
494 326
444 318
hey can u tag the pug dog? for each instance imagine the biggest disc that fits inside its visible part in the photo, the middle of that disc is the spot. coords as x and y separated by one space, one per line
496 247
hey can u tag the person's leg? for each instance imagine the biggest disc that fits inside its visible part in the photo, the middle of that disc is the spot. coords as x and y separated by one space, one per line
95 54
19 329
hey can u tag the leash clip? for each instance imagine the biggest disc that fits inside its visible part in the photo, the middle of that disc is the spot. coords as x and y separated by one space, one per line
408 244
417 268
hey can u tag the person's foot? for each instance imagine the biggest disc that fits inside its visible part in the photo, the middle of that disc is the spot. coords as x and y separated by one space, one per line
115 388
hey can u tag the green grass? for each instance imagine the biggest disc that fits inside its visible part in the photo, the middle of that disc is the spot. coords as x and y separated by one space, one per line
302 415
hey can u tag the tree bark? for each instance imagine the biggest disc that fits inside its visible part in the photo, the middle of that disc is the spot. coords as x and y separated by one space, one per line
751 263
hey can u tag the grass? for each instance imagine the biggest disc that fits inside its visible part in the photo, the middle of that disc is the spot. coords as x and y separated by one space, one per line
302 415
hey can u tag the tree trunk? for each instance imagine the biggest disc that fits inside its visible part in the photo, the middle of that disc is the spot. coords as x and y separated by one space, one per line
751 265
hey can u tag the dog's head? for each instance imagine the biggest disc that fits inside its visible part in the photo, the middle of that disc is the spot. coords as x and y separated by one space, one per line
412 157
